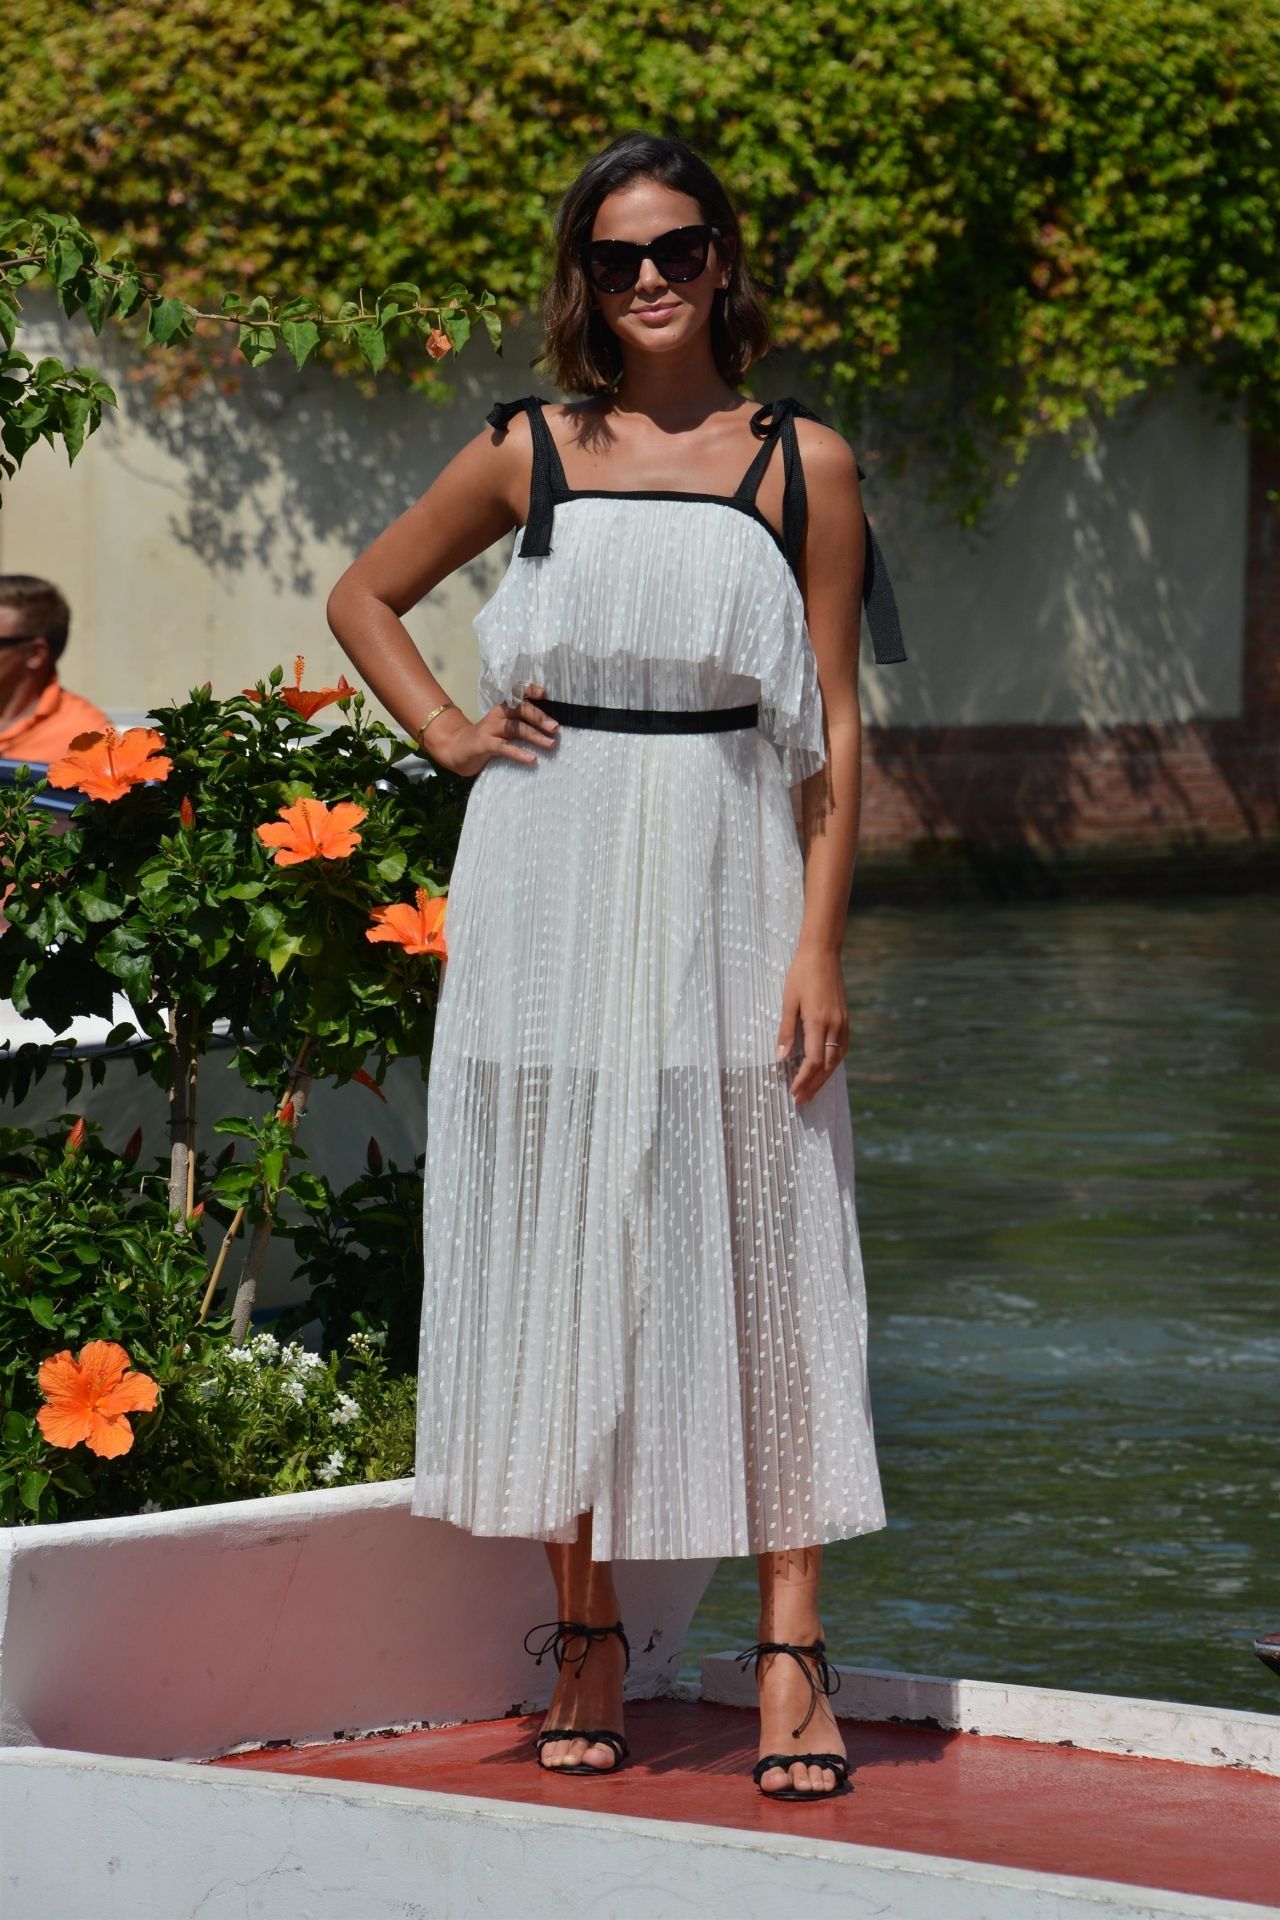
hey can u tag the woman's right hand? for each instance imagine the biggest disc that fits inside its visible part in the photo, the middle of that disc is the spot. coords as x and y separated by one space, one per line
465 748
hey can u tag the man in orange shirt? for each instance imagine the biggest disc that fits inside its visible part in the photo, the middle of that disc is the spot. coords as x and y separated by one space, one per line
39 718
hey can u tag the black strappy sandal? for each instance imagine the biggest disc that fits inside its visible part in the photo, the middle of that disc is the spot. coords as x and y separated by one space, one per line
562 1631
828 1682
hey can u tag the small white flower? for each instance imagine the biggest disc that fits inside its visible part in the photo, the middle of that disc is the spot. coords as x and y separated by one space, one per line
243 1356
307 1361
294 1390
346 1410
358 1340
332 1467
266 1346
150 1506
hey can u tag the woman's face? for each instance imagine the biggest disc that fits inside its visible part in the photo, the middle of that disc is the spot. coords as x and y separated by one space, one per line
656 315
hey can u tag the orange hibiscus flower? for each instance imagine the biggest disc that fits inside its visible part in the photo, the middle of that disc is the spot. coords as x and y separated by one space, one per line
418 929
309 830
89 1397
106 765
303 702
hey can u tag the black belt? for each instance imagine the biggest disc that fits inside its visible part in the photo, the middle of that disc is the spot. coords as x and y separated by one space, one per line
575 713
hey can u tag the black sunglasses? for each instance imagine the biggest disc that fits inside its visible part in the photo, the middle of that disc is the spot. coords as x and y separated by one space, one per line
679 255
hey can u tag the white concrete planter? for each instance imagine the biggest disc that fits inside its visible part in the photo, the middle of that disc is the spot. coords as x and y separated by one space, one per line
184 1635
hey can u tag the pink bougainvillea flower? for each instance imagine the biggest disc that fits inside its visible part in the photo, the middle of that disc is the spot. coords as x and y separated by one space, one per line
304 702
309 830
89 1397
106 765
418 929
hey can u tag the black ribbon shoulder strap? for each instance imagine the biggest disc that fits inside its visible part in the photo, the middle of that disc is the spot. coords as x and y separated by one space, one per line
779 417
537 531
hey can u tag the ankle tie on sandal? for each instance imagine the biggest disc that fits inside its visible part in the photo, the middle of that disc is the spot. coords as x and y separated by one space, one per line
562 1631
828 1681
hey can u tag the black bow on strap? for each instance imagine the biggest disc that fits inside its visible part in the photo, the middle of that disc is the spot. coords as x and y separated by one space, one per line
877 588
537 530
562 1631
828 1680
501 411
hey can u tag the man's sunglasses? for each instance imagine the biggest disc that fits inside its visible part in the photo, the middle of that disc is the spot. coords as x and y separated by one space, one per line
680 255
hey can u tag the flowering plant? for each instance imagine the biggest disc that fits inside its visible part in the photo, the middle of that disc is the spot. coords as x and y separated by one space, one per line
236 863
268 1416
100 1294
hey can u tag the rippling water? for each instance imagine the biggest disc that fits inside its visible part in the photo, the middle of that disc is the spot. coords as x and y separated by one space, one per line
1068 1136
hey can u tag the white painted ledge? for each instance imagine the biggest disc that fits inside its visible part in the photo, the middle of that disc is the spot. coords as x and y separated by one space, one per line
188 1634
131 1839
1100 1722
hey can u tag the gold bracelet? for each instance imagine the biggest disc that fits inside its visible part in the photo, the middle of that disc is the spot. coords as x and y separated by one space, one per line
430 717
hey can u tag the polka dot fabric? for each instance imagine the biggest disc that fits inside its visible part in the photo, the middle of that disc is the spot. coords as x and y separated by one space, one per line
643 1289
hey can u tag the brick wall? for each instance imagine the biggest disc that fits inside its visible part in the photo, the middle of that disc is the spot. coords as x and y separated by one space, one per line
1062 788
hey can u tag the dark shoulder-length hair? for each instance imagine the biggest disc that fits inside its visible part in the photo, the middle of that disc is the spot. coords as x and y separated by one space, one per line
580 352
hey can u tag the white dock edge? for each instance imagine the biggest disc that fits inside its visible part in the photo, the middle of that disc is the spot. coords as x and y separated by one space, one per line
132 1839
1100 1722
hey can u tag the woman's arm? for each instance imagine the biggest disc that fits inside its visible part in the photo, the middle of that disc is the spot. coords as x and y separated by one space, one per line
830 576
480 495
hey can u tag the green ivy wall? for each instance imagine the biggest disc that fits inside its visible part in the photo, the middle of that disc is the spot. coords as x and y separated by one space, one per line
997 220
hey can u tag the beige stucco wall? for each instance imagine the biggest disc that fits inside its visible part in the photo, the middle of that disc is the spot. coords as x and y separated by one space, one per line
200 542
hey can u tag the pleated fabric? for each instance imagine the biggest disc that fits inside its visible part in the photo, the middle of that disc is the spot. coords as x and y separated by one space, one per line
643 1289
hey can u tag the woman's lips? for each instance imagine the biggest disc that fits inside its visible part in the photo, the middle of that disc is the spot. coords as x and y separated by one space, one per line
651 315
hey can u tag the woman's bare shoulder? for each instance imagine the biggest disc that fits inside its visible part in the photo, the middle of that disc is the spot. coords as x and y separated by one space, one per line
827 457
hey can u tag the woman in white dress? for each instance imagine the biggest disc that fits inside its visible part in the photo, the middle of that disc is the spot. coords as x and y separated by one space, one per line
644 1316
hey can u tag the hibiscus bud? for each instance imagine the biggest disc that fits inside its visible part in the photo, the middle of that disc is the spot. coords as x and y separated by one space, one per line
287 1111
132 1147
75 1139
186 812
196 1215
207 687
373 1154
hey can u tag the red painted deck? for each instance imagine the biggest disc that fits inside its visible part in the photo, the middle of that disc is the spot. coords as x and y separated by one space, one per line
1011 1803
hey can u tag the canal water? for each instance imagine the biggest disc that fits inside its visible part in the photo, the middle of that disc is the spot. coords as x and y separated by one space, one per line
1067 1128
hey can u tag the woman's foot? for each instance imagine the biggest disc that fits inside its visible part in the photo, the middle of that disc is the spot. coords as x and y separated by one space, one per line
785 1695
595 1700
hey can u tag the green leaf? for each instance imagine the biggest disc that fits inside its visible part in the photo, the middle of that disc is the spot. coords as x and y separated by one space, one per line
233 1184
31 1487
373 345
301 337
169 320
42 1309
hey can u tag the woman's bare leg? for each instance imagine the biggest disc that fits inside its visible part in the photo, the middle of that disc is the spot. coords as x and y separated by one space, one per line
584 1592
789 1611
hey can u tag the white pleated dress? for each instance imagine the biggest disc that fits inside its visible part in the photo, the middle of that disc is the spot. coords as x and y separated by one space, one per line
643 1289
